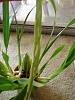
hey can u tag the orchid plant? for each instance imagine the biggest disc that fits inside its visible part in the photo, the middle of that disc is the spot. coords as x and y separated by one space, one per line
27 74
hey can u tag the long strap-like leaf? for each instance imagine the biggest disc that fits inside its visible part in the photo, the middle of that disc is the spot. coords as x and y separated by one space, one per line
53 4
6 32
37 33
67 61
37 38
53 41
55 53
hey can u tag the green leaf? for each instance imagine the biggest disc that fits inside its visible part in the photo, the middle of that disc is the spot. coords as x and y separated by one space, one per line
70 57
6 59
24 82
57 51
54 39
18 38
37 32
43 67
38 84
6 84
37 46
67 61
3 69
22 30
12 16
71 22
54 5
6 28
26 65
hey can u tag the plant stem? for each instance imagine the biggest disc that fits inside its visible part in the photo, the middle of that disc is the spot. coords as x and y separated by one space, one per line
27 96
19 51
19 54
